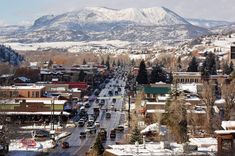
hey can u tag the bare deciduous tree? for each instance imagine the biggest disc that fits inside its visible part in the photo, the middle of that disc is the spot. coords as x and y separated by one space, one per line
228 94
208 98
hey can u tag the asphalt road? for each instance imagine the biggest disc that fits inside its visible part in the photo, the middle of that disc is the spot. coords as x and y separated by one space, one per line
81 146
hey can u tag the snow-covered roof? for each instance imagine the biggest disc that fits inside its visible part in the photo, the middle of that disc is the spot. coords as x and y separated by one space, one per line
228 124
34 113
155 127
75 90
187 73
225 131
22 78
155 111
192 87
47 101
163 98
23 87
219 101
155 103
200 142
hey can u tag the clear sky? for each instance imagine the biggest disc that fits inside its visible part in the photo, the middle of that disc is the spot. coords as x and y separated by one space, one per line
26 11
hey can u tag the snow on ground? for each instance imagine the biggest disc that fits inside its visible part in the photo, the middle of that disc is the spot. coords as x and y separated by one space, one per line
71 46
16 145
155 128
191 87
150 149
137 56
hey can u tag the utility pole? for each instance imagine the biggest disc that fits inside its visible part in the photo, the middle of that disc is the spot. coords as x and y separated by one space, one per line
53 110
129 108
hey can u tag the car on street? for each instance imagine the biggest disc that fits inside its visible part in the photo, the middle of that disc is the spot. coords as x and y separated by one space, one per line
90 123
97 124
70 125
113 134
81 122
82 135
108 115
120 128
64 144
40 133
91 129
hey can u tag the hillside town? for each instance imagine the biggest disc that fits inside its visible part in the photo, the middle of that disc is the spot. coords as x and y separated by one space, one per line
120 108
117 78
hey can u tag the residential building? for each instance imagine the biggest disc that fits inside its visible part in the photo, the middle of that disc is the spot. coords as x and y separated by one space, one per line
187 77
232 54
31 91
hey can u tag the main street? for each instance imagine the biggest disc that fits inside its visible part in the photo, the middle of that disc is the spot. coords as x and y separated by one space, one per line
81 146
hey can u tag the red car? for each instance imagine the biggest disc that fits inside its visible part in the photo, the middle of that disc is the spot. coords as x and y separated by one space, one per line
65 144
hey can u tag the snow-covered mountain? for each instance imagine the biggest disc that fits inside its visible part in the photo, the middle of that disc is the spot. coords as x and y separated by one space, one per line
224 29
207 23
98 23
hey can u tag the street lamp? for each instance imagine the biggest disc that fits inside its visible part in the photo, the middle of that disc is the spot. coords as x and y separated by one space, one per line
144 142
137 147
129 108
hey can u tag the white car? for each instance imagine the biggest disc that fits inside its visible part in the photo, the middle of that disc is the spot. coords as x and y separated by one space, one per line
70 125
97 124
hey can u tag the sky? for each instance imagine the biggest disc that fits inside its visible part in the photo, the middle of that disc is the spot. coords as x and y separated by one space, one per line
23 12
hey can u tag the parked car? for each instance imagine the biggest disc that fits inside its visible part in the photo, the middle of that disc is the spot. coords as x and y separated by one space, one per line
65 144
91 129
97 124
81 122
70 125
108 115
40 133
90 123
120 128
82 135
113 134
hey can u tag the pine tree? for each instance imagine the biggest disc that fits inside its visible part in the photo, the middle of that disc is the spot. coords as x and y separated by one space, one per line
107 63
142 77
179 63
98 147
102 62
231 66
133 62
193 65
136 136
84 61
158 74
170 78
81 76
209 66
226 69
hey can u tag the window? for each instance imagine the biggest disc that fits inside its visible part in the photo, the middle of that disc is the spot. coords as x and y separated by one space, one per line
28 93
33 94
37 94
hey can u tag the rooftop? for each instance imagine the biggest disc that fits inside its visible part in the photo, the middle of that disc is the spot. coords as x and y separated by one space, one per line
156 90
22 87
187 73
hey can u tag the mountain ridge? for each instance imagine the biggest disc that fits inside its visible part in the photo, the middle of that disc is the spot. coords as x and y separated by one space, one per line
99 23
